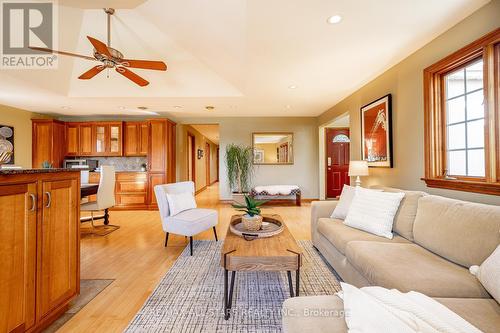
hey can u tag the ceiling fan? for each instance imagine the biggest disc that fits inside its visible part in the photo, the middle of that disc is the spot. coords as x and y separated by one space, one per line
111 58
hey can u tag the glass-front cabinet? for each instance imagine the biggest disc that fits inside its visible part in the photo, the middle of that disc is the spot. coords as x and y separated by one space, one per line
115 139
107 139
100 139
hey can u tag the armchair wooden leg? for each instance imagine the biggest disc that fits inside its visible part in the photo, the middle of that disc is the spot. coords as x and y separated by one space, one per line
191 244
166 240
215 234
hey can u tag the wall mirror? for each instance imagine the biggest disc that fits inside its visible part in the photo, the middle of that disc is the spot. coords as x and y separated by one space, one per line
272 148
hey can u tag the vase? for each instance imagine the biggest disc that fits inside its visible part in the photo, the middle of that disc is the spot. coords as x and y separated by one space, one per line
252 223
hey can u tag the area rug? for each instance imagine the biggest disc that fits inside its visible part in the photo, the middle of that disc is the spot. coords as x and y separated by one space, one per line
189 298
89 289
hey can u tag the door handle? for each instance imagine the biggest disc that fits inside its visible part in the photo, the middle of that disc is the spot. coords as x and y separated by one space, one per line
33 202
49 200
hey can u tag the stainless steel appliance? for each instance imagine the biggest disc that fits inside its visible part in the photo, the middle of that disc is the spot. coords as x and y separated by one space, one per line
85 164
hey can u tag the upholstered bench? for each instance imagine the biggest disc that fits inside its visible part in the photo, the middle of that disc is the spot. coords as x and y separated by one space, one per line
277 192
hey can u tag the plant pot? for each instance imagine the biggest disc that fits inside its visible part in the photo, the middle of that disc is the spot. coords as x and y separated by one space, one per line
252 223
239 198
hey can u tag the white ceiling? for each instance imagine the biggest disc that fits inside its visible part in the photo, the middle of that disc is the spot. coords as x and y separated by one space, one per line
211 132
240 56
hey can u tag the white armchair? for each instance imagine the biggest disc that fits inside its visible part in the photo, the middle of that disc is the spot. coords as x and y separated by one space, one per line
187 223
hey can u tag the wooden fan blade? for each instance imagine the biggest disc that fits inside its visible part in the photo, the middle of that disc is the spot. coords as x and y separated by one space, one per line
91 72
132 76
99 46
62 53
144 64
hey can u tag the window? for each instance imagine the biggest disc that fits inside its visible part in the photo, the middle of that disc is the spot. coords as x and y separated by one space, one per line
341 138
461 99
464 104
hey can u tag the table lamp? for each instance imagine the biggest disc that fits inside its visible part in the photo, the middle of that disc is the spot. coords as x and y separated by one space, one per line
357 169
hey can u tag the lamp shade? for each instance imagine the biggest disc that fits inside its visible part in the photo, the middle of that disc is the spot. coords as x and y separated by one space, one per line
358 168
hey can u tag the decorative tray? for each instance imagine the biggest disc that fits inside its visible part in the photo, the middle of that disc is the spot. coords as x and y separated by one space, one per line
270 227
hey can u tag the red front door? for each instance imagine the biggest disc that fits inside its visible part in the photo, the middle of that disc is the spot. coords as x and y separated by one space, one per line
337 160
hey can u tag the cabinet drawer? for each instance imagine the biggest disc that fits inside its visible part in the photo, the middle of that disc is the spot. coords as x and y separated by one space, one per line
131 176
131 199
131 186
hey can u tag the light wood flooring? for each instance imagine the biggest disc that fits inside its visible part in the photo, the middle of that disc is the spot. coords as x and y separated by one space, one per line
134 256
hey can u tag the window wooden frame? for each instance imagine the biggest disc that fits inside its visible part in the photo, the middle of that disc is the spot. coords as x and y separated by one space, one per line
487 48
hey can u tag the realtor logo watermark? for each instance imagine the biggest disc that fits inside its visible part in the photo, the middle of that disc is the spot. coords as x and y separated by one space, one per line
28 24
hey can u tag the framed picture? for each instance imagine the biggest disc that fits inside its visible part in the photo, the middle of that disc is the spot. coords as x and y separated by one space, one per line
376 133
7 143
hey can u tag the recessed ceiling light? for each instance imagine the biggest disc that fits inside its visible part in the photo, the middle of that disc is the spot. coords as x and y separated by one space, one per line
177 106
292 86
121 107
210 108
334 19
288 107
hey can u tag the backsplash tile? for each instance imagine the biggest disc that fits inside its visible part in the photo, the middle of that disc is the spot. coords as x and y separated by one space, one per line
122 163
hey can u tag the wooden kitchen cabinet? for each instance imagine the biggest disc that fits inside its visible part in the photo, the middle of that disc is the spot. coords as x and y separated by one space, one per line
48 137
86 139
18 216
131 189
58 244
107 139
161 156
136 138
40 249
72 139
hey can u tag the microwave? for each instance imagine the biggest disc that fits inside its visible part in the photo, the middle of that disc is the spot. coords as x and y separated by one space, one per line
84 164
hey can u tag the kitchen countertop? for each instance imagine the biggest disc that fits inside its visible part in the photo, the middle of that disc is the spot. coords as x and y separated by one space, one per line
121 171
31 171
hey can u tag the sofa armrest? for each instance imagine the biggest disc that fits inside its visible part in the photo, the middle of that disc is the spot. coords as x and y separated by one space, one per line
320 209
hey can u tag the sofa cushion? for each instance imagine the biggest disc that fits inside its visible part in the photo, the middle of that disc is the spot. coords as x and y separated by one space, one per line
406 267
463 232
339 234
319 314
405 217
480 312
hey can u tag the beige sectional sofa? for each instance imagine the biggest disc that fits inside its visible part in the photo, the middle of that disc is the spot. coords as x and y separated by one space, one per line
436 240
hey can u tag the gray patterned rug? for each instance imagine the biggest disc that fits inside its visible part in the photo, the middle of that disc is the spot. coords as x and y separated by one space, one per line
189 298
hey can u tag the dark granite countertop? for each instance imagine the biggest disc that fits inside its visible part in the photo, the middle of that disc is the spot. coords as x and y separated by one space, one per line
31 171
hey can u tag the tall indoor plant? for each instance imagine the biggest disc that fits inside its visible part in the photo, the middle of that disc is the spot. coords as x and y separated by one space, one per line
239 169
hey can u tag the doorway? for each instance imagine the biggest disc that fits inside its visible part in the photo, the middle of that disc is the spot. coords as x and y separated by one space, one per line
191 163
337 160
208 164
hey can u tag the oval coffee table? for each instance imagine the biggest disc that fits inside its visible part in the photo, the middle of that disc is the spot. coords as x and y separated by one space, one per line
277 253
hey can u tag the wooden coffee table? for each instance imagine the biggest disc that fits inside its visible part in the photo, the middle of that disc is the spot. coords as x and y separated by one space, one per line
277 253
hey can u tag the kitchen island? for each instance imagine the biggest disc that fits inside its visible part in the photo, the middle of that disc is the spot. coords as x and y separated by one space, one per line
39 246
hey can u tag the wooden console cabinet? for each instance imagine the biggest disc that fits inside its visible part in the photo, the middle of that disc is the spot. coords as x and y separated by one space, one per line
39 247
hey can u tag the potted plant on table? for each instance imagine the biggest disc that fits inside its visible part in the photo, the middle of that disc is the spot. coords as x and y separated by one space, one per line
239 170
252 220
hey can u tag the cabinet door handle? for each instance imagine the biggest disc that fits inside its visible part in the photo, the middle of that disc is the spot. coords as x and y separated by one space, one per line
33 202
49 200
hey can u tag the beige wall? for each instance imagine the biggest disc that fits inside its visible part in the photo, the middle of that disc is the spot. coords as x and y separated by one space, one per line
182 156
304 171
21 121
405 82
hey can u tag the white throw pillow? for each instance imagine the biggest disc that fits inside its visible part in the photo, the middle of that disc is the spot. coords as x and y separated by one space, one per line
373 211
340 211
489 274
179 202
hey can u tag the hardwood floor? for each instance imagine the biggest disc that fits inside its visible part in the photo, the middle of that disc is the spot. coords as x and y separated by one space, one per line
135 258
